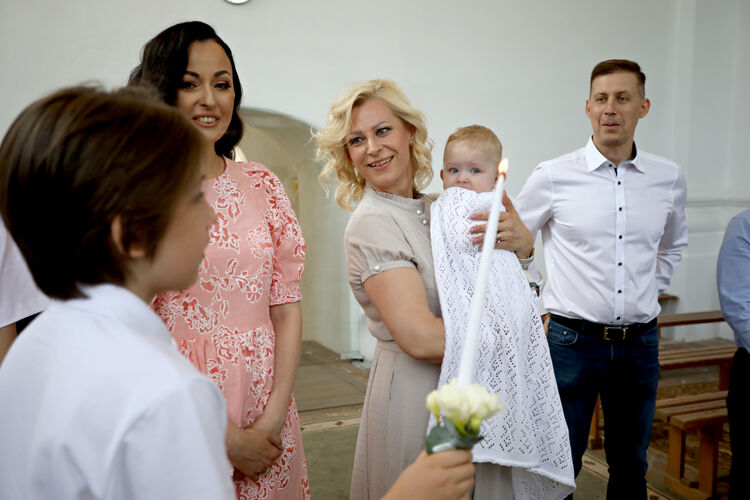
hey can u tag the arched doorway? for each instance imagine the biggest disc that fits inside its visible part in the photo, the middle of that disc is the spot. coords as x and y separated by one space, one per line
284 145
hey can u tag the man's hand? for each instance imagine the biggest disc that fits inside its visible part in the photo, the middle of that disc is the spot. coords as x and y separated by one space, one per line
252 451
448 475
512 233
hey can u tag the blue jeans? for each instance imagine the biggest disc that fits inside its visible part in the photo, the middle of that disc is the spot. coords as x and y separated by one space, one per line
738 407
625 373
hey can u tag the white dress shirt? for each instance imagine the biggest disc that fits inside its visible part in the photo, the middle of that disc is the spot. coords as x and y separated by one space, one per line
613 234
19 295
97 403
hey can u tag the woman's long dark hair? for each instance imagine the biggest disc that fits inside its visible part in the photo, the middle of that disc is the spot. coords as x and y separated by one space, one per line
163 62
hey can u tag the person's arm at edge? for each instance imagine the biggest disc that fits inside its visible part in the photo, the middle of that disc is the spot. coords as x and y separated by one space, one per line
731 275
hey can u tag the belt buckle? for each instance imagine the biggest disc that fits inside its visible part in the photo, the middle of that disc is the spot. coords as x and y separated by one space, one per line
610 330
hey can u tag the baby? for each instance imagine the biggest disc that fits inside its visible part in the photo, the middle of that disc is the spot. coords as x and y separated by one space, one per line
525 452
470 159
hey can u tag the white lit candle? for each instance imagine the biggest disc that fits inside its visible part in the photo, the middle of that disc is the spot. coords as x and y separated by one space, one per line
469 352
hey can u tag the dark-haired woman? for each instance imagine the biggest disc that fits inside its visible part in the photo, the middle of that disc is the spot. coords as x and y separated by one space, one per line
241 323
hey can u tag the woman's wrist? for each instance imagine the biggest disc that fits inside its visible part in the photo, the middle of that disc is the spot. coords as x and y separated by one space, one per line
525 257
273 417
232 441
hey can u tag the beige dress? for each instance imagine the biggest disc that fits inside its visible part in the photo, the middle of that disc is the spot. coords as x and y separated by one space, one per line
387 232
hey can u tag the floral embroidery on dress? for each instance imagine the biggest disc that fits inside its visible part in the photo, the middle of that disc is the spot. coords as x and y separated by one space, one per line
221 324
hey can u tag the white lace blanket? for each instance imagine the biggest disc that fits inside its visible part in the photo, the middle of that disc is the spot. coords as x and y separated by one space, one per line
513 357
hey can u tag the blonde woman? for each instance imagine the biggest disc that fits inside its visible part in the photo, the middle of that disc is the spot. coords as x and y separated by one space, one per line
375 144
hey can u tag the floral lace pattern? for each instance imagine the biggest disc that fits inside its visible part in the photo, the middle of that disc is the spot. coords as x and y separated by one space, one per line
221 324
512 357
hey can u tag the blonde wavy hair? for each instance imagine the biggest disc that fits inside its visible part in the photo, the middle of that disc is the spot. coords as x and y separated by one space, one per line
332 140
478 135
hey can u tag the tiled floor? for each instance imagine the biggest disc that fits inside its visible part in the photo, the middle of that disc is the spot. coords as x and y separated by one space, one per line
329 394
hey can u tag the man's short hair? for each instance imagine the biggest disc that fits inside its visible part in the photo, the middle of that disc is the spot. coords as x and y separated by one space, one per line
617 66
72 162
480 135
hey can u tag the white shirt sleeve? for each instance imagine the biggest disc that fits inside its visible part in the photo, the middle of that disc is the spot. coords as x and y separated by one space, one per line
19 295
675 237
534 202
176 450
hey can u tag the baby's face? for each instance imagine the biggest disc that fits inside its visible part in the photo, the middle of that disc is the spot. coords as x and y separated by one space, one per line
469 165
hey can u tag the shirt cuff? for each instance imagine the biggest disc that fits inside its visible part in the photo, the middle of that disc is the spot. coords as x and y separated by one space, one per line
527 261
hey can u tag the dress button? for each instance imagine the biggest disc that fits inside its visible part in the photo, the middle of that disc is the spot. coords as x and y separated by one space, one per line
424 222
419 212
376 268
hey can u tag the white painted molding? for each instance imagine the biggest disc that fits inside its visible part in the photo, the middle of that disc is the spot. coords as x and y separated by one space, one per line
714 199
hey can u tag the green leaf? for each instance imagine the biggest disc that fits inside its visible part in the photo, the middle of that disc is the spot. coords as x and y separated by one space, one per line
446 436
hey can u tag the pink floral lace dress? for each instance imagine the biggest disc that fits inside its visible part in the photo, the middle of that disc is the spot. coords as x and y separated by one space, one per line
222 323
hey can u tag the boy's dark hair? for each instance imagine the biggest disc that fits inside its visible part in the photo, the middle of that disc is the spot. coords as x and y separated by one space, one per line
72 162
163 62
618 66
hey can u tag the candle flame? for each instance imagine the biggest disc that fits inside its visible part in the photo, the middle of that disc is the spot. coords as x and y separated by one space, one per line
502 167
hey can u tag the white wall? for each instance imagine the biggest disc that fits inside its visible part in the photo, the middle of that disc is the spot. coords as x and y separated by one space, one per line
283 144
519 67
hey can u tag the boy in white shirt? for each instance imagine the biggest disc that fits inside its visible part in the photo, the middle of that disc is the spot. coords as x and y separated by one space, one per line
525 451
102 193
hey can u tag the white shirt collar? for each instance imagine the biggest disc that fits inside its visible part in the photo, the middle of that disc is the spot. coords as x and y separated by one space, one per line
123 306
595 159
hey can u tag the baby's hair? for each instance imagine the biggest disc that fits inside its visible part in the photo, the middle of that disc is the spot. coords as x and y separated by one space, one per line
481 135
72 162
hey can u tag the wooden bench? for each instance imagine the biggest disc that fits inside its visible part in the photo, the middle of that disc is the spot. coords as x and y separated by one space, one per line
679 358
706 414
682 319
721 356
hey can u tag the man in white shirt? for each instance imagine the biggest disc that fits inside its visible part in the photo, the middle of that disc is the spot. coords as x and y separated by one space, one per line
613 225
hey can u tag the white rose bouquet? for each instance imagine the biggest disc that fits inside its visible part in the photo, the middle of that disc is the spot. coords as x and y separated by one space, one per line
463 409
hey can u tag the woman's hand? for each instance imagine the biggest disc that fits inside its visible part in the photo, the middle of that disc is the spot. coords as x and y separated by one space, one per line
513 234
448 475
252 451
